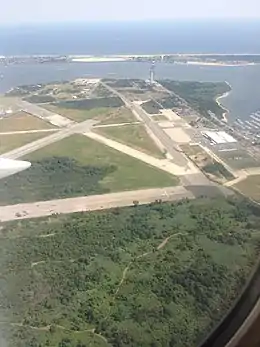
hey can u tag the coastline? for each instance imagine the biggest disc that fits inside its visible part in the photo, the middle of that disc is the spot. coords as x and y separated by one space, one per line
90 59
198 63
225 110
134 57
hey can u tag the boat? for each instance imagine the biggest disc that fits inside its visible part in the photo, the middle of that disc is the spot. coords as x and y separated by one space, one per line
251 125
239 121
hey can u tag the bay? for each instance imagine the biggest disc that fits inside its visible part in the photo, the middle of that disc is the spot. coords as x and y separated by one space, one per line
241 102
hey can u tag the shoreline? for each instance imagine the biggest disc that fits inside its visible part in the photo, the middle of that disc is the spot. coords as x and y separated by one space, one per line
114 59
225 110
198 63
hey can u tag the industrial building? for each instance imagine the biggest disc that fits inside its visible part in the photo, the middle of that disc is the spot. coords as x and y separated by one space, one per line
218 137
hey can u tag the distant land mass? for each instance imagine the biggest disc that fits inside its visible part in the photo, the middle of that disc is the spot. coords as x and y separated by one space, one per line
217 36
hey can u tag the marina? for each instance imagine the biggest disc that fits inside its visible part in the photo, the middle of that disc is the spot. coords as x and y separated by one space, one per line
250 129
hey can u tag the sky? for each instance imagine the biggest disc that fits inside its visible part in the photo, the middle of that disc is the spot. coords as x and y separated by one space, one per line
31 11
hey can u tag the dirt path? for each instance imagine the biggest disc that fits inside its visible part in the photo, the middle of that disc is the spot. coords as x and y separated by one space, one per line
47 235
164 243
52 261
123 278
37 263
158 248
48 327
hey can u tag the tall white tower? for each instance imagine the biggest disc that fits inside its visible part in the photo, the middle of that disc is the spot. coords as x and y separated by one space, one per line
152 72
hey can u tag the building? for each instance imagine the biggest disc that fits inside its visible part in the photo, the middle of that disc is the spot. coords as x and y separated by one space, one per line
218 137
152 73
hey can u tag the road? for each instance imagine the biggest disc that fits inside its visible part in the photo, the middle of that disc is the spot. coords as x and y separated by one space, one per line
179 158
28 132
59 135
42 113
91 203
162 164
195 176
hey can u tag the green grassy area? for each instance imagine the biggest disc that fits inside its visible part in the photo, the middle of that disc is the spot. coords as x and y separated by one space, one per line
191 150
151 107
40 99
165 101
10 142
23 121
104 115
24 90
199 95
79 166
250 187
213 169
159 118
44 93
239 159
155 275
134 136
216 168
88 104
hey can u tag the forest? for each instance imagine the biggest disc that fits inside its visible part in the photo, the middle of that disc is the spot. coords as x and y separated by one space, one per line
158 275
54 178
87 104
201 96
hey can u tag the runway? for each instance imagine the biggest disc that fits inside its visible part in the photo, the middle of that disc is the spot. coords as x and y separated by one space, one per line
91 203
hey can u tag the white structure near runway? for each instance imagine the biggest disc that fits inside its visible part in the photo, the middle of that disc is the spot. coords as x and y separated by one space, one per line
9 167
218 137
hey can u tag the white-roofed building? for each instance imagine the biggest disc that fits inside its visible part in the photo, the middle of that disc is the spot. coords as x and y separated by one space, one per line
227 137
213 137
218 137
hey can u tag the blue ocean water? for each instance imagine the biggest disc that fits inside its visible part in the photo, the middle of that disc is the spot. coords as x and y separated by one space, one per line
138 38
206 36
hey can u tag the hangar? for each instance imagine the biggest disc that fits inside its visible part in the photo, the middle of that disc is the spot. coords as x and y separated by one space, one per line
218 137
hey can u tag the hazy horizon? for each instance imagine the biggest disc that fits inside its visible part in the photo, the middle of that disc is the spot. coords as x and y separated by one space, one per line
31 11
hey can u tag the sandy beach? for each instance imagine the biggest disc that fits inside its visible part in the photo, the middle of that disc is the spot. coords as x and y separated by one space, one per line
216 64
119 58
226 111
92 59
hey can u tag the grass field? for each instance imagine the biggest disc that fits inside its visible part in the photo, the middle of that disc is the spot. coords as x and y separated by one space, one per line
250 187
238 159
159 118
134 136
130 173
191 150
212 168
103 115
10 142
23 121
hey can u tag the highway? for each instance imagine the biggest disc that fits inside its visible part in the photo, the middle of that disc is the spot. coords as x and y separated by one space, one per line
91 203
